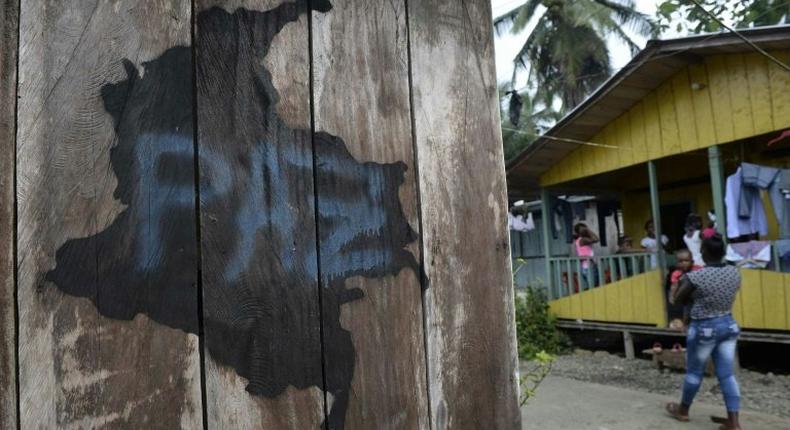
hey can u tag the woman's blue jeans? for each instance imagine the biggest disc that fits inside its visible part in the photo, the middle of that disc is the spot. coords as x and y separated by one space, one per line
716 337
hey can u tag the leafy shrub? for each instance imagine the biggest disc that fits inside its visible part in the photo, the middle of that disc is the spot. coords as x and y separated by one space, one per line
536 328
537 371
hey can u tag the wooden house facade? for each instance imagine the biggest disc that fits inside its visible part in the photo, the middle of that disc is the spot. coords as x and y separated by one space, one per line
660 137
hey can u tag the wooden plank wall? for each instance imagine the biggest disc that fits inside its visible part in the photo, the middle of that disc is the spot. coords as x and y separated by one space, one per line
105 185
257 219
470 331
638 299
253 214
372 124
744 95
9 14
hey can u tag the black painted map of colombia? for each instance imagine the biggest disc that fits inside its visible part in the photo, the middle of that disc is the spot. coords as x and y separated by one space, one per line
261 316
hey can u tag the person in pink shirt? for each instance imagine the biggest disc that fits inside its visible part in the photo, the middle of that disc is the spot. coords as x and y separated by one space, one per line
584 240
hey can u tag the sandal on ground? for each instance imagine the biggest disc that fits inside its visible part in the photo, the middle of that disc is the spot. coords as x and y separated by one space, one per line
673 409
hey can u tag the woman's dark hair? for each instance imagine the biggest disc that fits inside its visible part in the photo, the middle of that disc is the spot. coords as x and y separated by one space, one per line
713 249
693 222
648 222
578 227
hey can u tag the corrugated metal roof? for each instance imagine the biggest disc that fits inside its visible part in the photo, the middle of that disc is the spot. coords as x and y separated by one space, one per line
646 71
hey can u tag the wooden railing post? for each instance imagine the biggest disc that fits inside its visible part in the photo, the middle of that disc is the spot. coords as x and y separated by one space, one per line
656 211
545 206
717 186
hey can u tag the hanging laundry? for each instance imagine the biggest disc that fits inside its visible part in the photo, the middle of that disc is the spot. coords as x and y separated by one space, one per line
605 209
563 219
736 225
516 222
755 254
579 210
530 222
783 185
753 179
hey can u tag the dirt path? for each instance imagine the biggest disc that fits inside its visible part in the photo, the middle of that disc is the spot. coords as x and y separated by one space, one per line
568 404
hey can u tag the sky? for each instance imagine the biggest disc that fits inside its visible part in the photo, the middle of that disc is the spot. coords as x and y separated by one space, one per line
507 45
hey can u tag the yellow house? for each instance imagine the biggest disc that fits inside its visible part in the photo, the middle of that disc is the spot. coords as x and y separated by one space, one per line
659 138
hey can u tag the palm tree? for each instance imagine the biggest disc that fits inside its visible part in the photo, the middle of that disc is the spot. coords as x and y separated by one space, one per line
566 53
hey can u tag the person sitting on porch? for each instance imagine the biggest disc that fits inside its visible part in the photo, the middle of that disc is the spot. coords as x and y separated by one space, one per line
712 332
650 244
584 240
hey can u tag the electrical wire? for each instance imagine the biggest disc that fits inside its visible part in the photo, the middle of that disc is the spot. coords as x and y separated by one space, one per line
742 37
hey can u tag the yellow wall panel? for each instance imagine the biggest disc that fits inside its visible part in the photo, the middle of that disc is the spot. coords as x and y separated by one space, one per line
640 297
774 301
751 299
780 96
737 308
576 306
743 125
612 298
656 305
622 135
701 101
759 92
637 119
652 127
684 109
588 307
720 96
738 96
787 300
670 137
627 300
599 303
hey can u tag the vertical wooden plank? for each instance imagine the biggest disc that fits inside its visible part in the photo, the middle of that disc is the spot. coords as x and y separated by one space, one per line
670 136
627 300
576 306
656 303
258 240
684 108
786 279
640 298
372 115
774 305
588 307
759 92
107 236
720 98
780 98
469 304
652 127
743 125
624 141
751 298
9 13
637 120
701 101
613 156
599 301
612 297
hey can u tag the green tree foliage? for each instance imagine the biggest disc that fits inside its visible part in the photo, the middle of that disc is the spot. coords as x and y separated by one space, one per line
685 16
536 328
566 53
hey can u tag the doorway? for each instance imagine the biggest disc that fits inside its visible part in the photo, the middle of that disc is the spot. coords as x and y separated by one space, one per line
673 223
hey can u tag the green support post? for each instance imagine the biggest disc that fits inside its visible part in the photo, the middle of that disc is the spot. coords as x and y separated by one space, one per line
545 207
717 185
655 207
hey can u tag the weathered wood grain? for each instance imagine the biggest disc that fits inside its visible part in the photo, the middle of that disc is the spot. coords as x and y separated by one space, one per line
259 263
9 12
361 95
469 305
106 217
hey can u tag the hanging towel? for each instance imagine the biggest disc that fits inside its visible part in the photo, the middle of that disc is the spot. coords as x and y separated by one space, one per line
753 179
530 222
755 254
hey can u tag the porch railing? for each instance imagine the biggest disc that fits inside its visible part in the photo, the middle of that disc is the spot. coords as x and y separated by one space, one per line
571 275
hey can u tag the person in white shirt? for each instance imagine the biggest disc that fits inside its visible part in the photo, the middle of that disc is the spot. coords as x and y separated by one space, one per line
693 238
650 244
